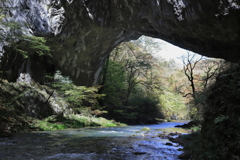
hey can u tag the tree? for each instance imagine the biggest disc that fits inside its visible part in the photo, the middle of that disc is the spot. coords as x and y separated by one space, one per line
210 68
113 81
189 64
127 77
133 61
148 83
12 34
200 73
19 48
137 70
79 97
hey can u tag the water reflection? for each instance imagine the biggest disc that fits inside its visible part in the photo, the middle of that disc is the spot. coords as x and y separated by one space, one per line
112 143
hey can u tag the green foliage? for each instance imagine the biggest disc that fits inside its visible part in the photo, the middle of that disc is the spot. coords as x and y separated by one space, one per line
91 121
58 77
114 84
140 109
78 96
133 79
28 44
20 42
124 114
11 120
200 73
46 126
72 121
220 119
147 107
172 103
219 138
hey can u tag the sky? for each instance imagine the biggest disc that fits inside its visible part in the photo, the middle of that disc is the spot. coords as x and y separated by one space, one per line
169 51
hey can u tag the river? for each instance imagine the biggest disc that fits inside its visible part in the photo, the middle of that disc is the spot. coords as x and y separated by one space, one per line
111 143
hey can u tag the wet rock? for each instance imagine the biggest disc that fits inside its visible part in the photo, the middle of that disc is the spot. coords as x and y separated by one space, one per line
176 140
167 135
169 144
175 134
162 135
139 153
189 124
14 142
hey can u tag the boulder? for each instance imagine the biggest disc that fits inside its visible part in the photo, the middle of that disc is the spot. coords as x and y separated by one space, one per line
34 100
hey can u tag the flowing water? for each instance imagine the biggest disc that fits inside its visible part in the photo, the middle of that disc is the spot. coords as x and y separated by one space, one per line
111 143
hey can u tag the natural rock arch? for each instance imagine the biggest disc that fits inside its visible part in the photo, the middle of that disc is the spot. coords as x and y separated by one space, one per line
82 33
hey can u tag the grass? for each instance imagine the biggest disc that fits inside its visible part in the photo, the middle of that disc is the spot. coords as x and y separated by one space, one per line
72 121
46 126
13 119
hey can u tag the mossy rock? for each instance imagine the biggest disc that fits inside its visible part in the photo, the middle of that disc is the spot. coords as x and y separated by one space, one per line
145 129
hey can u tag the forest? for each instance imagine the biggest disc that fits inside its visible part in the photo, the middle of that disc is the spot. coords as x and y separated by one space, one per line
136 86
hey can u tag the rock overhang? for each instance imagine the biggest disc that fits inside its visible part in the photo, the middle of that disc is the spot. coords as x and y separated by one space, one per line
82 33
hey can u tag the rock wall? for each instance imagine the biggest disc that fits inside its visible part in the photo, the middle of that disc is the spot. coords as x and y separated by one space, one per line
34 100
82 33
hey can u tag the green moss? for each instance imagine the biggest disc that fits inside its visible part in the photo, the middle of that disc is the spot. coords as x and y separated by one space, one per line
145 129
109 124
46 126
72 121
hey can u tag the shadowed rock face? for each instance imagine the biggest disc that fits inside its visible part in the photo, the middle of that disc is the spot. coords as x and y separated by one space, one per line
82 33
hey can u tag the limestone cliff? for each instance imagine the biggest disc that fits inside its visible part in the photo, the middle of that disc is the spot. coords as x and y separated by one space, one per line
32 99
82 33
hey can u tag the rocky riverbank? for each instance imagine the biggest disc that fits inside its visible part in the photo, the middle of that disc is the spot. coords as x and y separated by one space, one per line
28 107
186 140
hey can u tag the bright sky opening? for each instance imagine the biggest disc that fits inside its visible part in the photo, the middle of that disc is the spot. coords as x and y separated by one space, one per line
170 51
